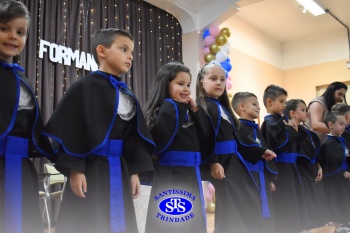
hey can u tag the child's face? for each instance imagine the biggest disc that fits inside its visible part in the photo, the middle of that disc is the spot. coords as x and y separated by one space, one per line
301 112
251 107
214 82
338 127
179 87
277 105
118 57
13 35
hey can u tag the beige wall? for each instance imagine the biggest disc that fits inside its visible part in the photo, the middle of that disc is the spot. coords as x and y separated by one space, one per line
301 82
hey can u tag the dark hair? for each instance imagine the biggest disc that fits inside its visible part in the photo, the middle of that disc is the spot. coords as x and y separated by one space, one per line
328 95
332 117
106 37
343 108
273 91
160 90
200 93
292 105
10 10
240 97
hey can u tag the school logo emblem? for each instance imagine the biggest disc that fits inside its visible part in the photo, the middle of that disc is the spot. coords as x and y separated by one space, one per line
175 205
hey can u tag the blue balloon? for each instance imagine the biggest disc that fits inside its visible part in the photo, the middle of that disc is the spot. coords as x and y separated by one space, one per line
226 65
206 33
226 72
228 59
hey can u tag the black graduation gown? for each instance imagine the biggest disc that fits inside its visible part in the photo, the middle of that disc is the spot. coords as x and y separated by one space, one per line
334 163
316 205
251 130
288 199
22 124
85 121
238 203
178 134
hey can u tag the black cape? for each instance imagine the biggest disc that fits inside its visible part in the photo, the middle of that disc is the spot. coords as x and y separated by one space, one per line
288 199
25 124
238 203
178 130
337 188
84 120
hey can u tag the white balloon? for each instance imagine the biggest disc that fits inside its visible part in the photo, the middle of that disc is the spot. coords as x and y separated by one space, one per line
228 43
225 48
216 62
221 56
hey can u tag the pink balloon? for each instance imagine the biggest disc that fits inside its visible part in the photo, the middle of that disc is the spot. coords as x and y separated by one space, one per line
209 40
214 30
229 77
211 189
206 50
209 197
228 85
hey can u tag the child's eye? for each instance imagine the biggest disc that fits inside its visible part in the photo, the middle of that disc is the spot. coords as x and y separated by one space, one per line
21 33
3 28
123 49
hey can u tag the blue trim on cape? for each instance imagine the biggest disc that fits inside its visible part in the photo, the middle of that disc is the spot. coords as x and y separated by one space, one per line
344 165
285 142
176 127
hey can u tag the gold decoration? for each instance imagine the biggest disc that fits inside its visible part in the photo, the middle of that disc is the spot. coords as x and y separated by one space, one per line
209 57
214 48
221 39
226 32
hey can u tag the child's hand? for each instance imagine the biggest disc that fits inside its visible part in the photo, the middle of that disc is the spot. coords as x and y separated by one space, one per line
347 175
272 187
135 186
319 174
217 171
78 183
269 155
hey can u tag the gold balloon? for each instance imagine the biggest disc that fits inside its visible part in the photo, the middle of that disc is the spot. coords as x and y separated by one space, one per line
211 207
221 39
214 48
226 32
209 57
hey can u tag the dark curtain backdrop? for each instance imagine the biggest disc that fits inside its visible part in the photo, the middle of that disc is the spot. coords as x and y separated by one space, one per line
71 23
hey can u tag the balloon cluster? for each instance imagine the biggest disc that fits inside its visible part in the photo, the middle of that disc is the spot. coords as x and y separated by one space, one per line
217 48
210 196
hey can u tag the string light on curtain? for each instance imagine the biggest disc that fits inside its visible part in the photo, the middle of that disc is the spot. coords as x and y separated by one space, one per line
81 8
64 42
139 35
37 57
160 40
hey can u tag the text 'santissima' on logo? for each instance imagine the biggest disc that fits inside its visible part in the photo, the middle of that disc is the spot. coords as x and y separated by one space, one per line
175 206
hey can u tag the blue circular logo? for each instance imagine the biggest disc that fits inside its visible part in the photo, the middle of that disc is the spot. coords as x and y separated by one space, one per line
175 206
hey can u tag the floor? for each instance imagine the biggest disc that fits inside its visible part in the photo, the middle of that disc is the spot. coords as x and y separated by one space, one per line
210 226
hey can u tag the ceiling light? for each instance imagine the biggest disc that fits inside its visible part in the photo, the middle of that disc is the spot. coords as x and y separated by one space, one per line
312 6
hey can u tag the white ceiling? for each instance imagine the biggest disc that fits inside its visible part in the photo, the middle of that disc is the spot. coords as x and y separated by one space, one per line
283 20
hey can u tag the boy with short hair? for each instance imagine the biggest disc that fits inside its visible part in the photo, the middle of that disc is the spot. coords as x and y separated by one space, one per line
246 106
281 137
344 109
104 142
335 161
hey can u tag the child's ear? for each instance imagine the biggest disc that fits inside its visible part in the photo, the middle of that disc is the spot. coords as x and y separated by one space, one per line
241 106
268 101
101 51
330 125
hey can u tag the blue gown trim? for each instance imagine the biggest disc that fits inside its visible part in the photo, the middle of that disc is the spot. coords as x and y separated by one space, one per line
176 127
259 167
284 157
14 149
186 159
113 150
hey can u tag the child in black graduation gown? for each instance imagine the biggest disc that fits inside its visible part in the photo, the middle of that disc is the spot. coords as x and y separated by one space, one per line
281 136
104 142
20 129
178 127
246 106
335 161
309 169
238 203
344 109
